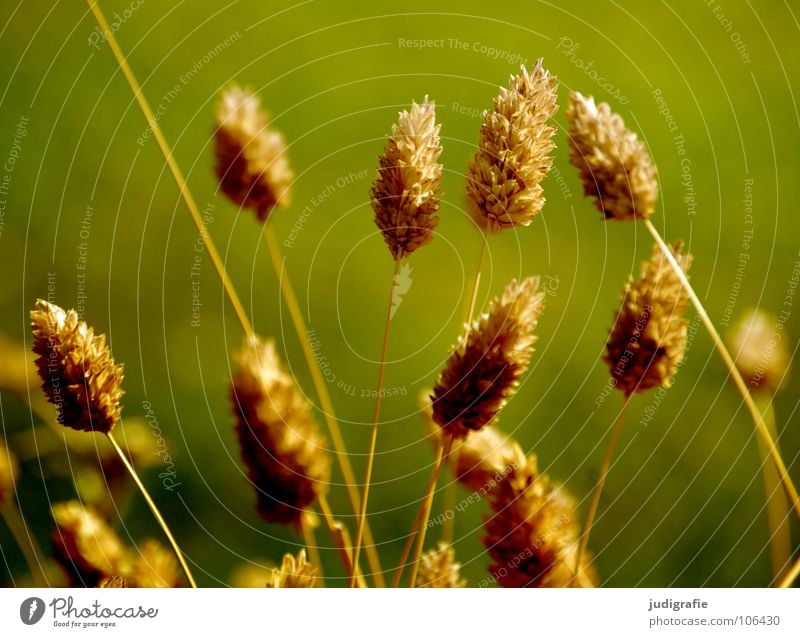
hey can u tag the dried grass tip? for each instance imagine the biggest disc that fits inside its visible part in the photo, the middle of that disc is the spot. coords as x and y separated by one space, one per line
484 369
532 533
279 440
438 569
251 158
614 164
93 555
405 195
504 177
648 340
295 572
78 373
760 350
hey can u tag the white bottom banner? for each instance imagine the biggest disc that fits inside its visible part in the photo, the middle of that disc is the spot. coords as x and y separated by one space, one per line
403 612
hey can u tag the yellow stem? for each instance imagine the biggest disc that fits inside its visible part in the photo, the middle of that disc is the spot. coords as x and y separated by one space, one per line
362 515
342 456
401 564
791 576
27 543
601 481
156 513
758 419
427 503
341 538
449 499
311 543
778 512
177 175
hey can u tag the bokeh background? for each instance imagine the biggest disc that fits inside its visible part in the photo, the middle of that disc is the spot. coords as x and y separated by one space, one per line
684 502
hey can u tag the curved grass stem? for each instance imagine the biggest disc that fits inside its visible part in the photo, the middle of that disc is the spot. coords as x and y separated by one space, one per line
758 420
376 414
156 513
441 457
613 440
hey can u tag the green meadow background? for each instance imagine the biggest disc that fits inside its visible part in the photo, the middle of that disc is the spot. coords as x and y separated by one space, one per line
684 501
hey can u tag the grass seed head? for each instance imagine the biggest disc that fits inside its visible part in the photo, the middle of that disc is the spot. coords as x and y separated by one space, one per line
438 569
251 158
295 572
504 177
760 350
614 164
79 376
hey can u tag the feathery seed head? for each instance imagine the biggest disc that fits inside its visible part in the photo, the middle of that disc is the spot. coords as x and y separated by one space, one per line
760 350
279 440
295 572
532 533
154 566
438 569
614 164
8 473
483 370
486 457
251 158
504 177
648 339
405 195
88 549
77 370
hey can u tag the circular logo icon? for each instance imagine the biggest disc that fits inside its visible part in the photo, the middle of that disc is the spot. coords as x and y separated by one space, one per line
31 610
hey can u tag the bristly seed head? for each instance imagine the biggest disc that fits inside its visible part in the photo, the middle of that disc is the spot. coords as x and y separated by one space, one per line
532 533
648 339
405 195
614 164
295 572
279 440
484 369
77 370
251 158
504 177
438 569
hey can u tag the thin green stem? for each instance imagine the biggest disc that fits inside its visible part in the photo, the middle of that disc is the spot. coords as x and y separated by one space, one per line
441 457
758 419
342 456
613 440
376 414
27 543
156 513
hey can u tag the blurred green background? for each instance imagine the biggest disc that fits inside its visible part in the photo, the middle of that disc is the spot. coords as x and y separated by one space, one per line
684 502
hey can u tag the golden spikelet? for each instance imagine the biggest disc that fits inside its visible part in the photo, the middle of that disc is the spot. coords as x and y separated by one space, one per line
504 178
154 566
486 457
760 350
114 581
483 370
405 195
251 158
279 440
648 339
78 373
438 569
9 469
88 549
532 533
295 572
614 164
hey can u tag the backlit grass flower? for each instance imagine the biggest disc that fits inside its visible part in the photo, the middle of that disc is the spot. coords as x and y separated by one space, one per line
613 162
760 350
405 195
79 376
505 175
439 569
484 369
295 572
